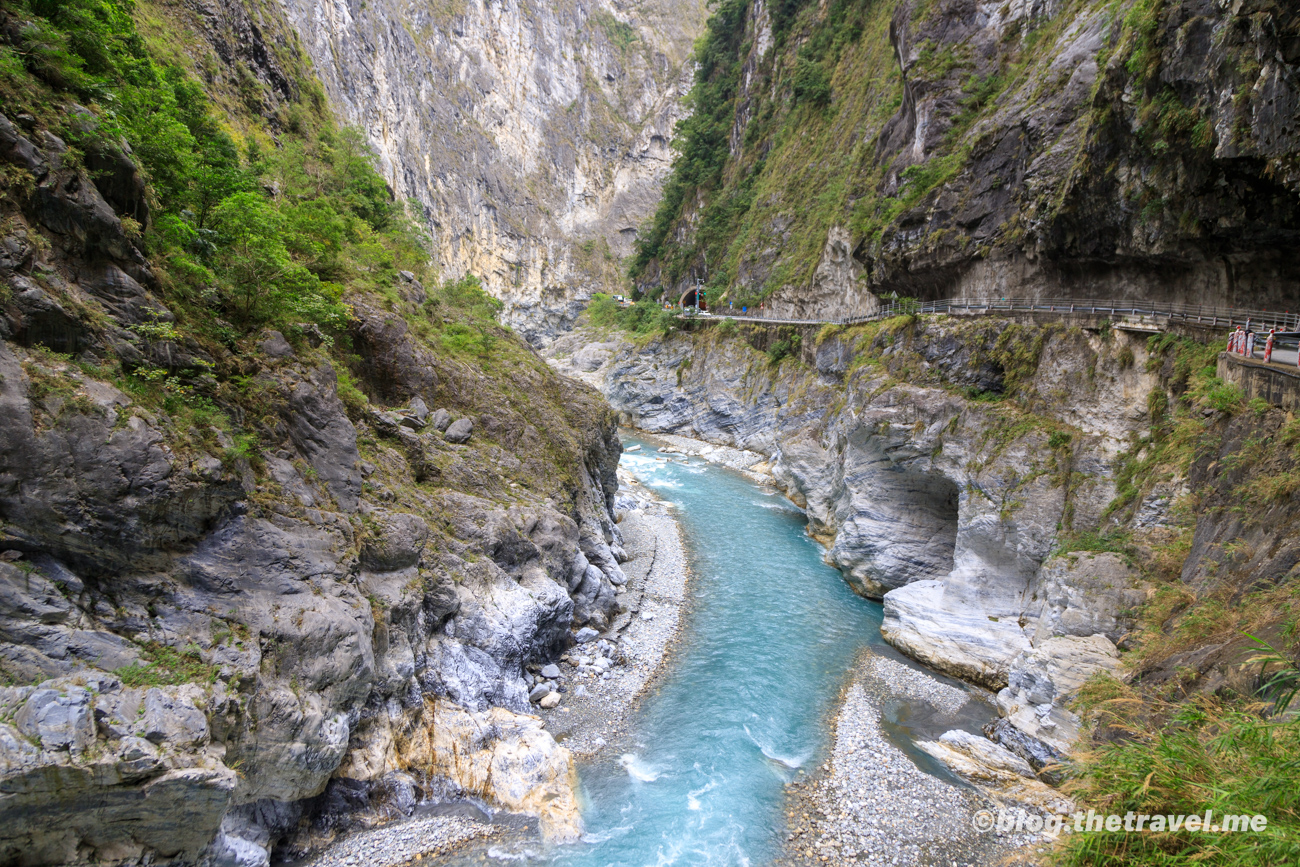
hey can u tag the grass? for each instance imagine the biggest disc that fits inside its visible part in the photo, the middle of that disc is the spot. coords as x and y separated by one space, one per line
643 319
1097 542
167 666
1211 755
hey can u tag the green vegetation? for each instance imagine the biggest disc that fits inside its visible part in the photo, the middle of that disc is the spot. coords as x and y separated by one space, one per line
643 319
1212 755
809 158
701 138
263 236
787 346
271 220
1170 750
168 666
620 34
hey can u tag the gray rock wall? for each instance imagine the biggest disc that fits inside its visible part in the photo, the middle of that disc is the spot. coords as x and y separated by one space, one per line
534 136
203 645
946 507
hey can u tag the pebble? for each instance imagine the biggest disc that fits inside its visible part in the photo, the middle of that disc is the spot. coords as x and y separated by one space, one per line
400 842
871 804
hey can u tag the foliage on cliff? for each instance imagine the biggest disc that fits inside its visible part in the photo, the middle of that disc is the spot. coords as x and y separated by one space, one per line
247 208
937 135
1204 723
263 232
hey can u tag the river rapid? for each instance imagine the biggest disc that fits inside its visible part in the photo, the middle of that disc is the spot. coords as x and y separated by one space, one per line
769 637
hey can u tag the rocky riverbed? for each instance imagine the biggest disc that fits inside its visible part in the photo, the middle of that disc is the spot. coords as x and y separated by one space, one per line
600 679
403 842
870 803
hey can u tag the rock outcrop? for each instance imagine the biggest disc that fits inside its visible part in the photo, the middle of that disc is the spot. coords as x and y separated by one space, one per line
967 149
213 649
954 509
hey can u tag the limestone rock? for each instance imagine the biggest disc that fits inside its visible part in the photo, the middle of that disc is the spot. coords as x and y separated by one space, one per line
1005 777
401 539
1083 594
275 345
497 110
459 431
58 719
505 758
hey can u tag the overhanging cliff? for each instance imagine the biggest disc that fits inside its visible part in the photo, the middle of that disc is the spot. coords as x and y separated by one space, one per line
1068 148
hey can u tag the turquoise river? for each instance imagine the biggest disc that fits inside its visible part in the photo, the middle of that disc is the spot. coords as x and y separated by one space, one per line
768 638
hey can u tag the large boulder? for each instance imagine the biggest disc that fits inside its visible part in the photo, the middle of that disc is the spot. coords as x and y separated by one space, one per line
396 544
459 431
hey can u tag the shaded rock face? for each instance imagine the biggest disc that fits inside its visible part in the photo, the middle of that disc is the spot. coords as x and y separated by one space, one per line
947 508
1037 150
130 769
533 135
204 641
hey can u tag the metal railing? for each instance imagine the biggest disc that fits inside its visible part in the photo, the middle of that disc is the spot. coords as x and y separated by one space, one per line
1122 312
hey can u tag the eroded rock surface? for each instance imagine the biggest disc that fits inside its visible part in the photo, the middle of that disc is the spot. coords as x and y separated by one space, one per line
216 650
948 508
535 136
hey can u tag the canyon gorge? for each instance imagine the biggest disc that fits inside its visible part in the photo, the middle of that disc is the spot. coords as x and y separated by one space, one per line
310 508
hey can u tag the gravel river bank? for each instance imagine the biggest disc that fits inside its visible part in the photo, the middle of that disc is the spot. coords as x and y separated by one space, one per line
780 731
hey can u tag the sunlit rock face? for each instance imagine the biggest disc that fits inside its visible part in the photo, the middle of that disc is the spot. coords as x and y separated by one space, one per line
534 136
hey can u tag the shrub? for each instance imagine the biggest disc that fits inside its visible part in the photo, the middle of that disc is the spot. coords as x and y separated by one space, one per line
602 311
167 666
784 348
812 84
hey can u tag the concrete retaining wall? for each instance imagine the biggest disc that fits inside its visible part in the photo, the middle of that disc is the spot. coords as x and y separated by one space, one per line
1279 386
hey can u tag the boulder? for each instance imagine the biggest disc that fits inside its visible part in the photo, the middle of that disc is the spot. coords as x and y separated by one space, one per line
440 420
274 345
459 431
321 431
996 771
505 758
550 700
397 544
58 719
173 720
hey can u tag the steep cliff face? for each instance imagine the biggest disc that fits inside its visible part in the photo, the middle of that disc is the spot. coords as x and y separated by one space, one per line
535 136
1033 149
1020 496
280 524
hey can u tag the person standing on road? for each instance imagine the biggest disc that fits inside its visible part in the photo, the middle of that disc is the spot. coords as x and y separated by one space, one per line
1238 341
